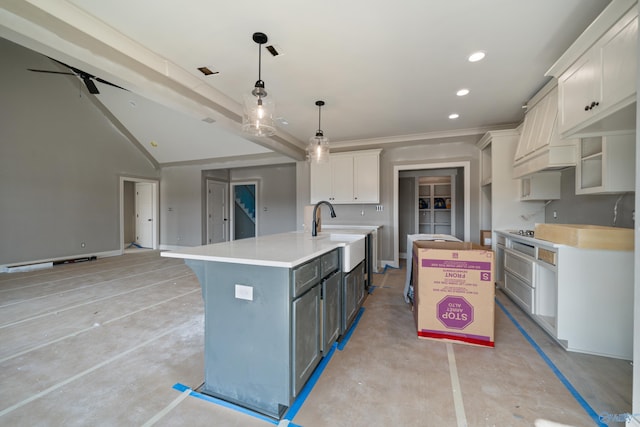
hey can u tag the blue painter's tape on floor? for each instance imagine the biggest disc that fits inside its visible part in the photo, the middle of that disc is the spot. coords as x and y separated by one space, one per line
555 370
182 388
346 337
293 409
304 393
384 270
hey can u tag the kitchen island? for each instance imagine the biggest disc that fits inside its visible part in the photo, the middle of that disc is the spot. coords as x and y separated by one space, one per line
582 297
274 305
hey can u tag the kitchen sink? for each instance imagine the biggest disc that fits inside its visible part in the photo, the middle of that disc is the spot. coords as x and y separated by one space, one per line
352 251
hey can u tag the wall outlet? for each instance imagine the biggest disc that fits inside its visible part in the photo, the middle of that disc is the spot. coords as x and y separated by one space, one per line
244 292
555 214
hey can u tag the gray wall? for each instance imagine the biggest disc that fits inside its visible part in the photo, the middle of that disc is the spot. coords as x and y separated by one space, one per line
427 153
589 209
276 203
182 200
60 164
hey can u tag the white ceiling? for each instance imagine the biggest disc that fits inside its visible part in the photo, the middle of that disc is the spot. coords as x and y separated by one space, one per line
388 71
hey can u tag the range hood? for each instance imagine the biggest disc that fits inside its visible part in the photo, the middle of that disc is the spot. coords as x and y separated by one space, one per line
540 147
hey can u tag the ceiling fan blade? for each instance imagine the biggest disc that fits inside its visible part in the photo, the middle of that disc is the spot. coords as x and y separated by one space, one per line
51 72
91 86
98 79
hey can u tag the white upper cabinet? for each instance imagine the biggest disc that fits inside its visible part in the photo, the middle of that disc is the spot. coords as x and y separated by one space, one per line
597 90
347 178
540 147
606 164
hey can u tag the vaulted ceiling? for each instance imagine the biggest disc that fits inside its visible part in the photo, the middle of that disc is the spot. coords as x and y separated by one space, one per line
388 71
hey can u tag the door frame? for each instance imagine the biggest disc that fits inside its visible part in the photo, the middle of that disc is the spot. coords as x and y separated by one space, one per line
466 165
232 205
155 191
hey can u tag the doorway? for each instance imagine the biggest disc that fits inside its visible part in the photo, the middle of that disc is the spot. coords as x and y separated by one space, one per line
244 215
465 165
139 212
217 213
144 215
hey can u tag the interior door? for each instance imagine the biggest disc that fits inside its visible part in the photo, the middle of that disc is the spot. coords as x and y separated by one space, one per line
217 212
144 214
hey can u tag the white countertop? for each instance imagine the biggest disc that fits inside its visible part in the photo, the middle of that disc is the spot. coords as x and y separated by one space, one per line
527 239
276 250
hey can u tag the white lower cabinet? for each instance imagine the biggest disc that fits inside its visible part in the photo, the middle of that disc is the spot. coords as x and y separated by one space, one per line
583 298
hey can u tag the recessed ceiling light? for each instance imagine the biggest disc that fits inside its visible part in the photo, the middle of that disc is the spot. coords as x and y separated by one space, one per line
153 144
454 116
462 92
476 56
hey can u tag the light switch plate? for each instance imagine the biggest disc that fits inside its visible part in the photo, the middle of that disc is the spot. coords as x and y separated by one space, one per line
244 292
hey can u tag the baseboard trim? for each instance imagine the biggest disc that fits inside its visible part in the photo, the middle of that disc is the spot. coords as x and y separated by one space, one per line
46 263
633 422
383 263
173 247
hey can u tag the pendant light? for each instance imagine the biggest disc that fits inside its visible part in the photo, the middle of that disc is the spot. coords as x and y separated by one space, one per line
258 108
318 148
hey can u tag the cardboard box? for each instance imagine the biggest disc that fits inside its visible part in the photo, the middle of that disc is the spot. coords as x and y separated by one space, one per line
454 292
485 238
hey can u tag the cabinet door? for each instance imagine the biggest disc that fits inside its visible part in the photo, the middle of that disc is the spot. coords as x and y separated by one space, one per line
366 176
548 110
360 289
306 337
331 310
579 87
321 181
619 59
348 299
342 178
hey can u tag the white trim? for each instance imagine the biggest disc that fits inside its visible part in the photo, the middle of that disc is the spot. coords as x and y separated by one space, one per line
156 209
632 422
164 247
5 267
467 198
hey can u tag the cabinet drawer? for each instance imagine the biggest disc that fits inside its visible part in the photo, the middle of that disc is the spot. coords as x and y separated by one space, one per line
305 276
547 256
519 291
330 262
519 266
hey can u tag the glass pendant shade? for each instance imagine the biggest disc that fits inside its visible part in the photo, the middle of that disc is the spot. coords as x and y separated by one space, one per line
257 114
318 148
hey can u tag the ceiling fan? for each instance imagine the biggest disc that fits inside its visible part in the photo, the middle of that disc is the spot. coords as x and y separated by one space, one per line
87 78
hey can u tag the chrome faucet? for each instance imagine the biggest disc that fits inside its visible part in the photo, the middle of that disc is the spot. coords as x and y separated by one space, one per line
314 225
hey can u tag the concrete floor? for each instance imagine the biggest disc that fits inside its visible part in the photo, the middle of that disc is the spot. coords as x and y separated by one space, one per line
102 343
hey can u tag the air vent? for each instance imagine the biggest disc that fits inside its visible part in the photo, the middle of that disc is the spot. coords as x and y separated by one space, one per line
207 71
208 120
272 50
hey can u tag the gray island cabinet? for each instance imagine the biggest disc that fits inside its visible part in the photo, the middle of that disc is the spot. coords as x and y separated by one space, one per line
273 307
